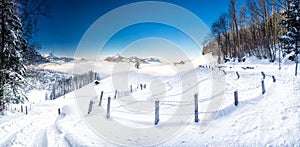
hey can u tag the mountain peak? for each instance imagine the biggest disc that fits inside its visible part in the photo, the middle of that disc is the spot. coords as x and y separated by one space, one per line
133 59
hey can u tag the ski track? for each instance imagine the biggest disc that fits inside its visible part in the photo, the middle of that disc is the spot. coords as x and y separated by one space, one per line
23 131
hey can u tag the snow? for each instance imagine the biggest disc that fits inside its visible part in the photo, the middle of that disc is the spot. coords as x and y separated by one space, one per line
270 119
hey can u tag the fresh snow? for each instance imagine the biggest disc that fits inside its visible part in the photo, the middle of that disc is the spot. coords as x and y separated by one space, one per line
272 119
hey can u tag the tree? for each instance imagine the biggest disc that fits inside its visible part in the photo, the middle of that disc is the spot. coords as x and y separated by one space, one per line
243 29
12 71
291 21
220 29
234 26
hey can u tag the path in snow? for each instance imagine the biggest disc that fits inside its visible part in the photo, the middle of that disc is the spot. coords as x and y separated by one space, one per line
34 129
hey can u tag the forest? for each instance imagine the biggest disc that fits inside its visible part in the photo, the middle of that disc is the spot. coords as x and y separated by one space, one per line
263 28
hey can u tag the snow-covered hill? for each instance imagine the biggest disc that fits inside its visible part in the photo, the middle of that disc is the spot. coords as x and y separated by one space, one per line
270 119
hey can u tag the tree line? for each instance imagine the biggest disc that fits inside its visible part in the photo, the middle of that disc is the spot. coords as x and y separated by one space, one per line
251 29
71 83
261 28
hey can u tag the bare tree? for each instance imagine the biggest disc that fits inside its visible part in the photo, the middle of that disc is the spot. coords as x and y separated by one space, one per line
234 26
31 13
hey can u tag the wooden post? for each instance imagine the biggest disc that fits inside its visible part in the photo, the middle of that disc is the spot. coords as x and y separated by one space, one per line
238 75
196 108
90 107
22 108
263 75
156 112
108 108
263 87
236 98
26 112
115 94
131 88
101 95
224 72
58 111
274 80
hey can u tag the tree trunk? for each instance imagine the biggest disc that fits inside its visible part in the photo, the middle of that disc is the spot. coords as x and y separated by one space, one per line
2 102
296 57
296 60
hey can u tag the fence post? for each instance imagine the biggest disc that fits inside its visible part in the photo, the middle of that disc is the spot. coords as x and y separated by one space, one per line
238 75
274 80
26 112
156 112
224 72
101 95
196 108
90 107
108 108
115 94
263 75
22 108
131 88
58 111
263 87
236 98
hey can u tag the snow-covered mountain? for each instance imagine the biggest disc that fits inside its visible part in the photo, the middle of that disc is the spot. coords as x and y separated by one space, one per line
152 60
133 59
52 58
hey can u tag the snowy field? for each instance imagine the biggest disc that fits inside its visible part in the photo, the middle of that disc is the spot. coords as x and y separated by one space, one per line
270 119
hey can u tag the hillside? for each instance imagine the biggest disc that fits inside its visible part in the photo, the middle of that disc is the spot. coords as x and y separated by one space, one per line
269 119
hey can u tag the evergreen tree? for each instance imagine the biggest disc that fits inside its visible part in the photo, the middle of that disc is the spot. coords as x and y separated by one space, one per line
12 43
291 21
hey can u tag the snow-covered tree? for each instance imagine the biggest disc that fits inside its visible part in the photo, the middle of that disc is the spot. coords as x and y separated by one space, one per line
291 21
12 43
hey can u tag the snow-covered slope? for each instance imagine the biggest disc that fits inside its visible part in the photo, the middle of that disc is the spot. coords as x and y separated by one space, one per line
270 119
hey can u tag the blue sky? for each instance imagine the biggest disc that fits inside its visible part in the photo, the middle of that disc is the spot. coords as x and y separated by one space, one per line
69 19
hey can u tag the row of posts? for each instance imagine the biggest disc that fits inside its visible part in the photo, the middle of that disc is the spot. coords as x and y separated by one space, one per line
263 89
142 86
156 120
262 73
108 103
26 110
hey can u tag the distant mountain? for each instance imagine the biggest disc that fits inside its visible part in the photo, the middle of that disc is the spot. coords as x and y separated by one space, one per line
52 58
152 60
133 59
116 58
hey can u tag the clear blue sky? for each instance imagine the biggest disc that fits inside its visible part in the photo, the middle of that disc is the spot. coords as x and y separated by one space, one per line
71 18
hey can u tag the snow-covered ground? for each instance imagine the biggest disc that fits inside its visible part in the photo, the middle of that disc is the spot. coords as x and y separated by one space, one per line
270 119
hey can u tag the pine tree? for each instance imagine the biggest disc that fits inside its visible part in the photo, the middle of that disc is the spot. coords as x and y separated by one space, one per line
291 21
12 43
